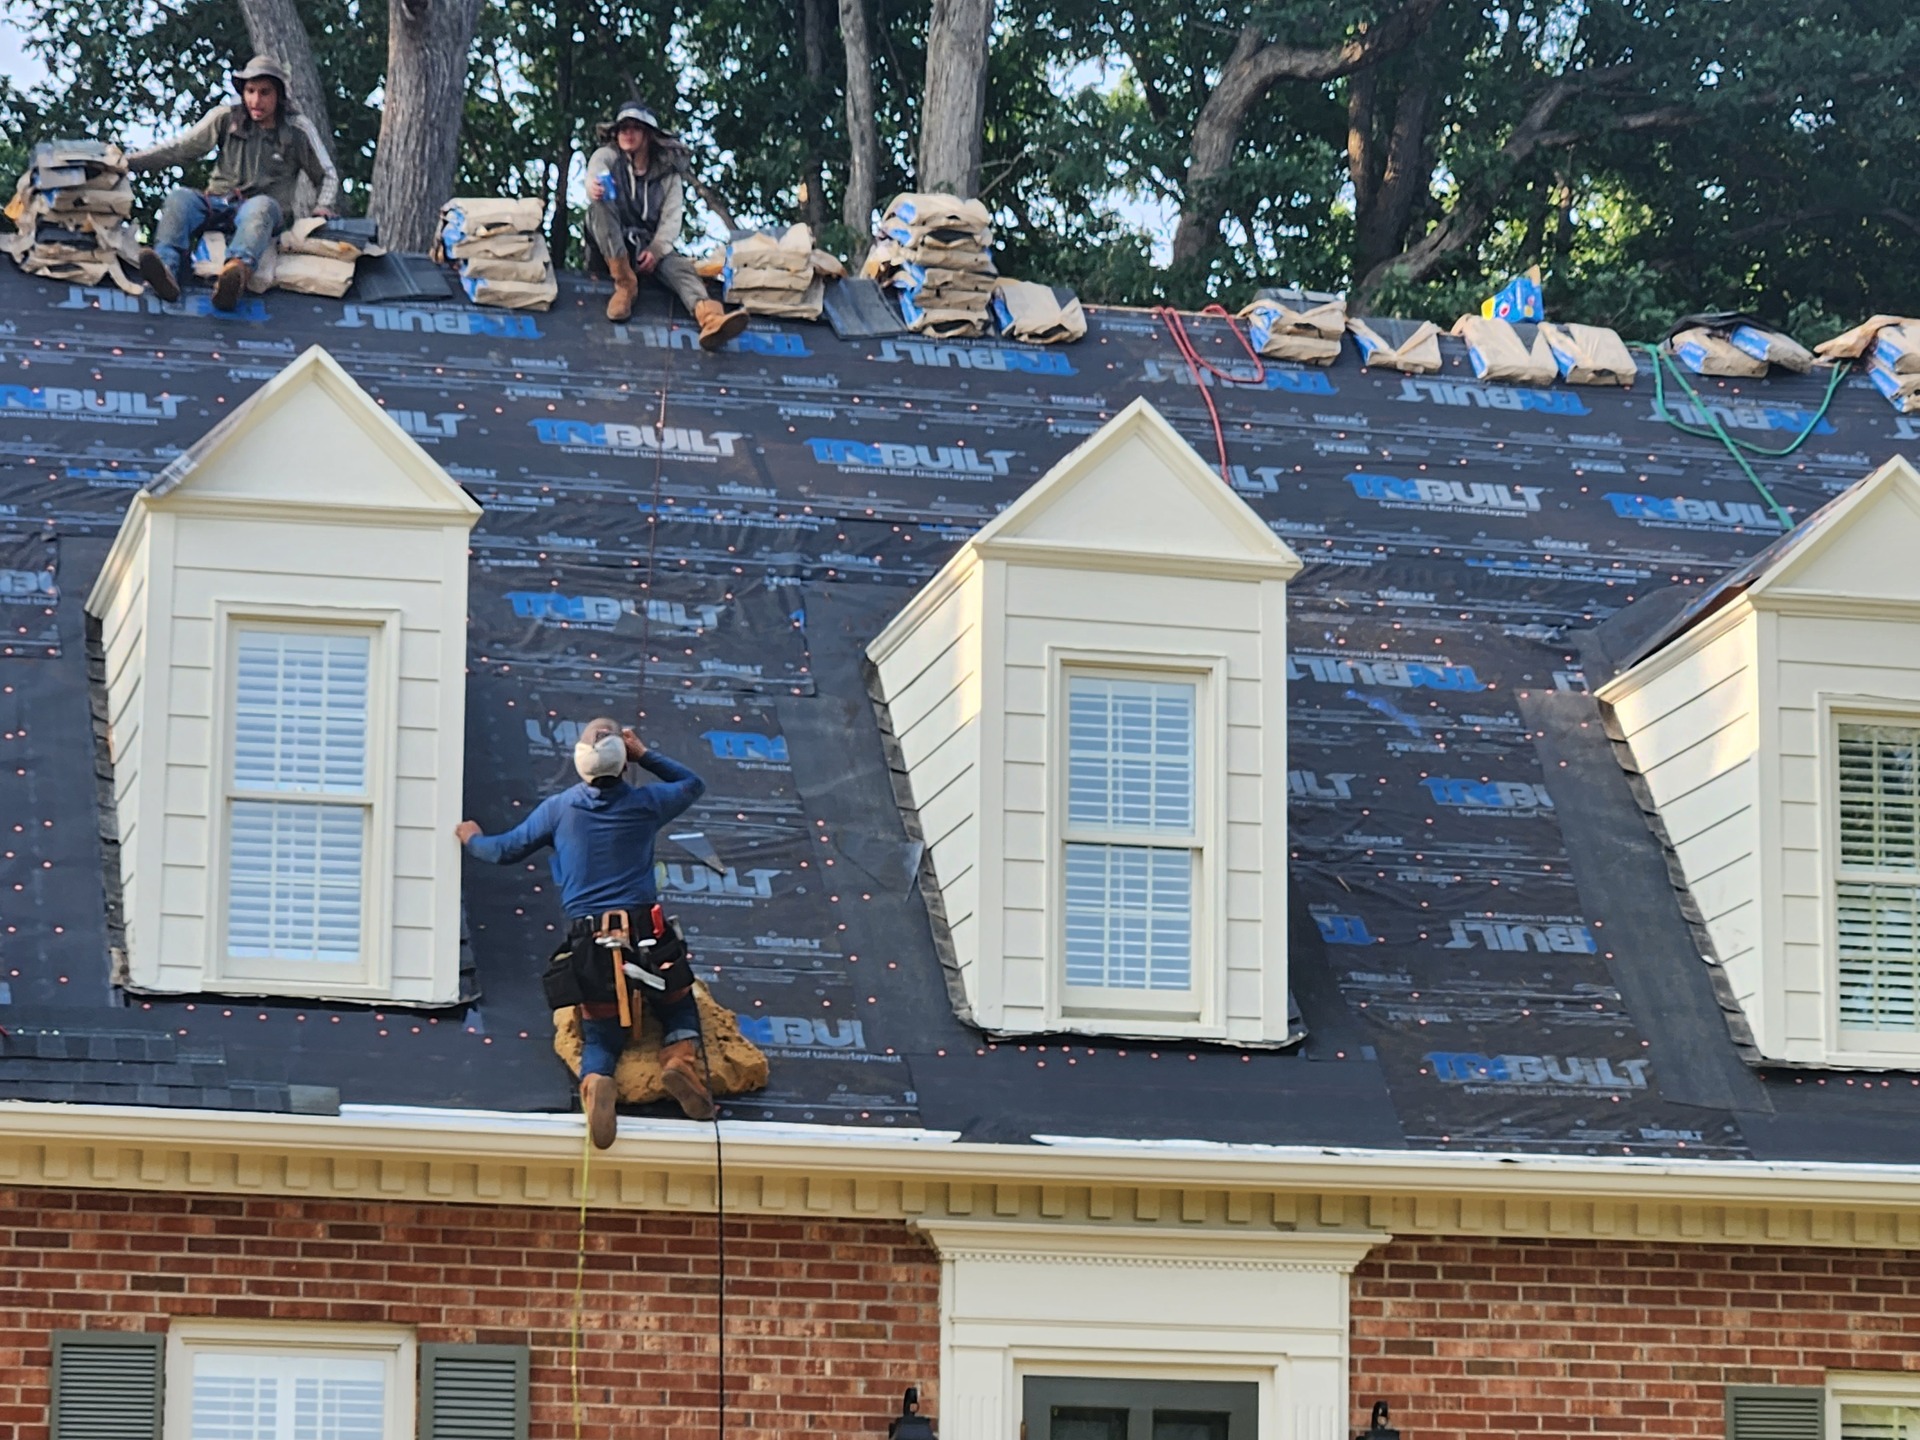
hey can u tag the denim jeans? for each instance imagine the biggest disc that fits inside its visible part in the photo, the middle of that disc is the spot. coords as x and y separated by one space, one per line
252 223
603 1040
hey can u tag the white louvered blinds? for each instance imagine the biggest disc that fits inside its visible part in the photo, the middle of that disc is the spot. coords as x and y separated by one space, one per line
1132 846
1879 1422
1877 894
238 1396
298 812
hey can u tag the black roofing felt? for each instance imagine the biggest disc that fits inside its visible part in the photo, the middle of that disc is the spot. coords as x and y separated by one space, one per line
1487 949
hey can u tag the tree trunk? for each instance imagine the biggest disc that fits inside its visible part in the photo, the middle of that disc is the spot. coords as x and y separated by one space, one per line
417 155
863 130
1254 67
816 21
561 160
274 28
1388 179
953 105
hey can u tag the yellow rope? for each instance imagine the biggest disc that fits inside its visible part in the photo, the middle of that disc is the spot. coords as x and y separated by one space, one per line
580 1269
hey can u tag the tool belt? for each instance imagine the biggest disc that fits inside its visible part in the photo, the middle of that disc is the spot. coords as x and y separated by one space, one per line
610 957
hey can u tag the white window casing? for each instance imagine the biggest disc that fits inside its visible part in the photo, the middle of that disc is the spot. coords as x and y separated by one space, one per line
306 807
1869 1405
1138 1303
1134 810
282 620
1877 874
1089 885
267 1381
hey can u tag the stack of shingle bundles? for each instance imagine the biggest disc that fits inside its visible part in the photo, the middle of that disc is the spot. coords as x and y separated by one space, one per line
1299 325
1589 354
1498 351
778 274
500 253
1410 346
1733 345
1890 344
70 213
312 256
937 251
1038 314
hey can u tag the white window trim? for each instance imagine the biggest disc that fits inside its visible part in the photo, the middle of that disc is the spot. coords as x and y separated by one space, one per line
187 1338
1131 1012
1867 1387
1852 1047
372 979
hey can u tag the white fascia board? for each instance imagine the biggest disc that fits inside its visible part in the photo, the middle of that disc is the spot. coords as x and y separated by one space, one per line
426 1135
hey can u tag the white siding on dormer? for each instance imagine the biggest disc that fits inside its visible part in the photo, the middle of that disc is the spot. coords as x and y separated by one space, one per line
1129 555
932 683
1694 729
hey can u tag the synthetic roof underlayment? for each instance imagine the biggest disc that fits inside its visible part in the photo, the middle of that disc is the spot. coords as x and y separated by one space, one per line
1487 950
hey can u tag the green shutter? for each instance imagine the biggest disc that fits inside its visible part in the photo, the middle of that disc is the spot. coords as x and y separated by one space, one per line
106 1385
1776 1412
473 1392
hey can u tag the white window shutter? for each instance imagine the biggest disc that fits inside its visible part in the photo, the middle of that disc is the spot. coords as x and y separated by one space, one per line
106 1385
473 1392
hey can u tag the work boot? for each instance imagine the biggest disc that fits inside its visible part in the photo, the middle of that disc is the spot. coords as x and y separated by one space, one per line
717 323
680 1069
232 284
158 275
596 1098
626 288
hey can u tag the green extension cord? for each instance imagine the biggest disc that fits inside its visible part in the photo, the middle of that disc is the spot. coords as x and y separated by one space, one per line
1739 449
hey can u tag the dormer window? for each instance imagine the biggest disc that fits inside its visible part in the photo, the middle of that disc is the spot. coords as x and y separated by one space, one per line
1775 724
1877 881
282 627
1089 702
1132 859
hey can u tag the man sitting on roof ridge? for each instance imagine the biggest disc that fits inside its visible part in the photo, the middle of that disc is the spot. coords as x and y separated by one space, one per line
261 148
637 192
602 832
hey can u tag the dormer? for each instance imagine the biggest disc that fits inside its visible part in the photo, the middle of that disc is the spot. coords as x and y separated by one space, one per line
282 619
1089 701
1776 723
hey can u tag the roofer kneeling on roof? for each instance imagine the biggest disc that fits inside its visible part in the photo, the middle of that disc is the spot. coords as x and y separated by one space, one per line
619 942
262 147
637 190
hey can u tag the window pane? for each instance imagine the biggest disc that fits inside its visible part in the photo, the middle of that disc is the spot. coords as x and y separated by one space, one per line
1190 1425
293 881
1129 917
1130 755
1879 1422
288 1397
1879 797
1879 930
1085 1422
300 711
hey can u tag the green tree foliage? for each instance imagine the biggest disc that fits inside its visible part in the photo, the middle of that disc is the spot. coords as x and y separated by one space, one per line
1652 156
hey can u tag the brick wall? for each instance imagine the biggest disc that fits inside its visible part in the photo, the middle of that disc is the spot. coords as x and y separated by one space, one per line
827 1321
1587 1338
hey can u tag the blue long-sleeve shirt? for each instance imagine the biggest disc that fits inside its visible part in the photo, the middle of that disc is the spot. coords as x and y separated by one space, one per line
602 837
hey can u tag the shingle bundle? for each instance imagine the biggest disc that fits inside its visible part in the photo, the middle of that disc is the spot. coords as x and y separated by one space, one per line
1038 314
1499 352
70 213
779 274
312 256
1410 346
1589 354
500 253
1890 344
937 251
1299 325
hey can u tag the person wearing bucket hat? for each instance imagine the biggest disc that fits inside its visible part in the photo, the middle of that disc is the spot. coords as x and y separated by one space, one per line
261 147
636 191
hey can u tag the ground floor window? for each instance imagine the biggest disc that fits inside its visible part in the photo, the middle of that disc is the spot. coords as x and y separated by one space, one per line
1873 1407
289 1382
1062 1407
